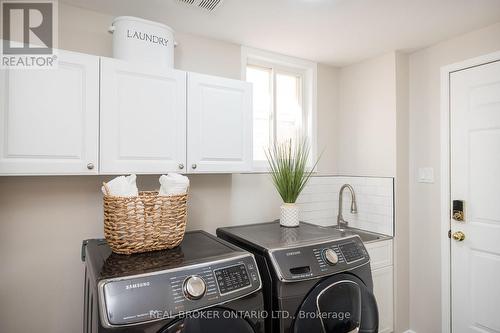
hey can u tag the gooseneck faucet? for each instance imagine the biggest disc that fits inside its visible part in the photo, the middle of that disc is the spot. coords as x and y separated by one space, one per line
341 223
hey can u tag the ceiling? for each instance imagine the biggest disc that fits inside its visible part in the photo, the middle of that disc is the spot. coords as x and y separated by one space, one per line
336 32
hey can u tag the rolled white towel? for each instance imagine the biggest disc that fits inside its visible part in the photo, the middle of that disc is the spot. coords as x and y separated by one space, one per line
173 184
122 186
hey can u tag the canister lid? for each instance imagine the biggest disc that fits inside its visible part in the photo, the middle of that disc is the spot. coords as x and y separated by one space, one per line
141 20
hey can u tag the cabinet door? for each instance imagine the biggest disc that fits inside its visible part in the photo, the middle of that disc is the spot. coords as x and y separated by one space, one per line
143 118
49 119
382 273
383 291
380 253
219 124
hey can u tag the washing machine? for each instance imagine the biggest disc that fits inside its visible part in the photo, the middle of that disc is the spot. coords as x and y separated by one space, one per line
315 279
204 285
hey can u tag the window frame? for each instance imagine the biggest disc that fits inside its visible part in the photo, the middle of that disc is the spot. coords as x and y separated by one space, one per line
307 71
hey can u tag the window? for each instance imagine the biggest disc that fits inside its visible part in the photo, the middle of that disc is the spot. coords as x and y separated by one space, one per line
283 100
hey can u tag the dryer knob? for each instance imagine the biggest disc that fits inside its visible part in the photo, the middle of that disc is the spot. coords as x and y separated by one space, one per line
330 257
194 287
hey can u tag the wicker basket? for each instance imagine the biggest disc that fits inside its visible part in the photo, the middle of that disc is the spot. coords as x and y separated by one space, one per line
148 222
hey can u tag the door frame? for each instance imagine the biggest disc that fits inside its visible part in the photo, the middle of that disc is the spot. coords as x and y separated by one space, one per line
446 183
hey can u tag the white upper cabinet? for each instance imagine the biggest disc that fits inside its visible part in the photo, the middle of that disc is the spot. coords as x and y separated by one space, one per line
143 118
49 118
96 115
219 127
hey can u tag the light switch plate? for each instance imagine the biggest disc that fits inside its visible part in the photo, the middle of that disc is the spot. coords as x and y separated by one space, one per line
426 175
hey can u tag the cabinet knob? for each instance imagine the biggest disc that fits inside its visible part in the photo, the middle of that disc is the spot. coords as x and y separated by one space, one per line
181 166
90 166
193 166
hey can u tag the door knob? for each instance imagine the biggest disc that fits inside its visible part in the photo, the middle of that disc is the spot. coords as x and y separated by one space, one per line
193 166
181 166
90 166
458 236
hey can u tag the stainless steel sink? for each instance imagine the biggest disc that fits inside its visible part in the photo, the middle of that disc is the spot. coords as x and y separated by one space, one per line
366 236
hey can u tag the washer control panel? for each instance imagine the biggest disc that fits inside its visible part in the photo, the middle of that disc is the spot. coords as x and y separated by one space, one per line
352 252
164 294
232 278
325 258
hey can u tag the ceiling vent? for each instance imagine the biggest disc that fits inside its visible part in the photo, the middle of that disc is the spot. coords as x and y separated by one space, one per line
208 5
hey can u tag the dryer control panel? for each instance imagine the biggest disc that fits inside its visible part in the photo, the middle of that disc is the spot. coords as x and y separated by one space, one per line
319 259
173 292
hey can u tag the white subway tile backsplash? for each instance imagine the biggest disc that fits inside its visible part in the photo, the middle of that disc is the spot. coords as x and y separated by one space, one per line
375 197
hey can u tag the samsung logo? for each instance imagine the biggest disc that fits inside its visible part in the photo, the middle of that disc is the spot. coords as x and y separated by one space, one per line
137 285
288 254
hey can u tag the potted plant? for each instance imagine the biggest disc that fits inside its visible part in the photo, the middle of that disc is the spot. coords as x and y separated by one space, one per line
289 172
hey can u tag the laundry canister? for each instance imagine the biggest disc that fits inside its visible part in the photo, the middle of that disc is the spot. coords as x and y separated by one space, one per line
140 40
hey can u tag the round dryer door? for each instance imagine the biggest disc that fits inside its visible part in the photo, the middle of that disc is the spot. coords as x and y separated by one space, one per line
210 320
339 304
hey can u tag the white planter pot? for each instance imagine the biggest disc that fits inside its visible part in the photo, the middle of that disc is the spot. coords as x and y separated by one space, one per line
289 215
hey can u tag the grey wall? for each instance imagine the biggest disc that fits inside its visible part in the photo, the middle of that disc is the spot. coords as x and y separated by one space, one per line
44 219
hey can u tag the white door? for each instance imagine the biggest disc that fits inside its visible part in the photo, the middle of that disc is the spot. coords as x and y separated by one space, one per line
475 179
49 118
219 124
143 118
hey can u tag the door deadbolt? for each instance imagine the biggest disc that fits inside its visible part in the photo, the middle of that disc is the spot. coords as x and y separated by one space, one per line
458 210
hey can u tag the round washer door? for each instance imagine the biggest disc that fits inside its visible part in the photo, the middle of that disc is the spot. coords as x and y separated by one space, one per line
210 320
339 304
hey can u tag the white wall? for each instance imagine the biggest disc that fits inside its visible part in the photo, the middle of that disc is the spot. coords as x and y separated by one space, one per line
86 31
372 139
425 276
401 198
44 219
328 102
366 121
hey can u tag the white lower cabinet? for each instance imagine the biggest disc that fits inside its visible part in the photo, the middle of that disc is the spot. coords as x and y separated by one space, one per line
383 283
49 118
383 289
219 124
143 118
